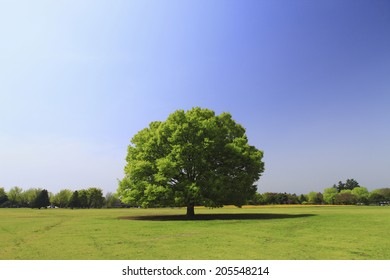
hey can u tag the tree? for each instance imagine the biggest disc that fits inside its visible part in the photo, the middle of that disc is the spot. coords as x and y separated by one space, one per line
385 192
15 196
28 197
376 196
345 197
83 199
302 199
96 199
3 196
315 198
74 201
111 200
350 184
330 195
270 198
193 158
42 200
62 198
361 194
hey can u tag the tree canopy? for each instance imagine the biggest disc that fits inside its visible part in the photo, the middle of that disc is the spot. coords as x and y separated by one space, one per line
41 200
195 157
349 184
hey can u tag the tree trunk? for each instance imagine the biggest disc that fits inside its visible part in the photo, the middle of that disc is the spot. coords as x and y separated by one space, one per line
190 212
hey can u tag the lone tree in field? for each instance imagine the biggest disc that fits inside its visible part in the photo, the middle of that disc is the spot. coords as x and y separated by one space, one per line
192 158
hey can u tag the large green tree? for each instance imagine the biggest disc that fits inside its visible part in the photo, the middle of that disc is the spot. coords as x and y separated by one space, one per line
195 157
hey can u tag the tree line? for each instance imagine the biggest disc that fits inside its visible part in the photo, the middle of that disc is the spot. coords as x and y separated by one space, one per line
343 193
40 198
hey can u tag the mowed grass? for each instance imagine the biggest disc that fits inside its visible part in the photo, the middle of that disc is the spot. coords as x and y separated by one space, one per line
276 233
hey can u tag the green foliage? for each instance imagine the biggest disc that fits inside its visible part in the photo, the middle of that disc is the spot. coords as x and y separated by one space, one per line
361 195
345 197
74 201
15 195
3 197
350 184
257 199
112 200
2 192
87 198
42 200
379 196
95 198
315 198
62 198
279 198
83 198
346 193
384 192
28 197
302 199
193 158
330 195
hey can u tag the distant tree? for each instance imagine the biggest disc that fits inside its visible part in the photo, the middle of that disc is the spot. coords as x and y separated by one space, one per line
270 198
375 197
111 200
385 192
96 199
84 199
292 199
330 195
345 197
282 198
28 196
275 198
193 158
15 196
2 192
62 198
361 194
350 184
302 199
42 200
256 199
74 201
3 196
315 198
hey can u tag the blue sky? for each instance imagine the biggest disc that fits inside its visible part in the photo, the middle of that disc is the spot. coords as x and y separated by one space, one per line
309 80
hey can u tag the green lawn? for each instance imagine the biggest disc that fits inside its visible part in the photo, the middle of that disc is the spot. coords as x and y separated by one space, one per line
304 232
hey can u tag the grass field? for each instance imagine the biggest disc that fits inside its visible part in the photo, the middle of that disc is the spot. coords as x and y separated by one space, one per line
276 233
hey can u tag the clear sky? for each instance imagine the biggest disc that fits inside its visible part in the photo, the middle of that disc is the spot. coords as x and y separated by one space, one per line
309 80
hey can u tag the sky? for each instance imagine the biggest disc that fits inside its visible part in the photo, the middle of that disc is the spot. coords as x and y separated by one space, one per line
309 81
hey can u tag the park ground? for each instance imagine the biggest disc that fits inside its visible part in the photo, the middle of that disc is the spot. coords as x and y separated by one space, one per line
261 232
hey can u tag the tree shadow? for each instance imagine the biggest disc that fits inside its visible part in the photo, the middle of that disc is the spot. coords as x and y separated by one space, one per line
211 217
